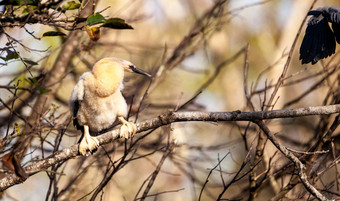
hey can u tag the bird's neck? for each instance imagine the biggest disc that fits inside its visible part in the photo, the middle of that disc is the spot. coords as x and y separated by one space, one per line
108 79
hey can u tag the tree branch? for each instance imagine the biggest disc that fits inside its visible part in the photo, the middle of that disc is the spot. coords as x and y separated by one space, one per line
300 167
165 119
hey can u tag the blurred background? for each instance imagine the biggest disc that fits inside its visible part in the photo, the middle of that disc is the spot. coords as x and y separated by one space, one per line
208 68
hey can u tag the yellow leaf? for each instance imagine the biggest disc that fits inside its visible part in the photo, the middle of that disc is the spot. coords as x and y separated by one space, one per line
17 129
93 32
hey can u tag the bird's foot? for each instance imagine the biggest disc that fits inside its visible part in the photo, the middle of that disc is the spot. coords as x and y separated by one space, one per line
128 129
88 143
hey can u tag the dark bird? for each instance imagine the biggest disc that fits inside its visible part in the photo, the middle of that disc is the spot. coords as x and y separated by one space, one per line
97 101
319 40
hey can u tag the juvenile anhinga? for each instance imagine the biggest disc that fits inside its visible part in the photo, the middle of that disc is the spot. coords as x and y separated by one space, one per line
96 101
319 40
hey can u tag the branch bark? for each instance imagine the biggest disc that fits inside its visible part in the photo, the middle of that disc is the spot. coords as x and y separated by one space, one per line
165 119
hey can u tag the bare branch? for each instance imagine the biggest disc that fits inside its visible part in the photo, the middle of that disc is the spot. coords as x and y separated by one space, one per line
165 119
298 164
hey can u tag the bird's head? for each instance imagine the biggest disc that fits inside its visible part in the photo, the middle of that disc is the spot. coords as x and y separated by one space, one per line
113 68
109 74
130 67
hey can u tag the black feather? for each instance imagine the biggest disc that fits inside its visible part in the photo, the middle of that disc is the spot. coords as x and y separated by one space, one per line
319 41
336 29
75 120
75 112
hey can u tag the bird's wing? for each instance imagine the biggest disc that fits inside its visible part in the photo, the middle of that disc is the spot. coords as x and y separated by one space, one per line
335 20
76 99
333 16
318 42
336 29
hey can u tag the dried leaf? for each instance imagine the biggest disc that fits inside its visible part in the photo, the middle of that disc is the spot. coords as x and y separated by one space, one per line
11 162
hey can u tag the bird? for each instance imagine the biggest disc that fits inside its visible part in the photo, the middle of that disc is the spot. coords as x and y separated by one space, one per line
96 101
319 40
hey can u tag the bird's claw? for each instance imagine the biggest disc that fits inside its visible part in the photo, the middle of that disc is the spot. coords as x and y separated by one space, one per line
127 130
92 143
88 143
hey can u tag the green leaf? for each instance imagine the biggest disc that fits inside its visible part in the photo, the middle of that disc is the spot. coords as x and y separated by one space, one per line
43 90
30 62
11 55
27 9
94 19
53 33
32 81
71 5
116 23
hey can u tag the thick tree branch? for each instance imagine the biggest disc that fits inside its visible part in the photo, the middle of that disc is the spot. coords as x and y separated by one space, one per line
165 119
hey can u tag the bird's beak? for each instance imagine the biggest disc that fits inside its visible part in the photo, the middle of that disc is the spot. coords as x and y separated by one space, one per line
139 71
